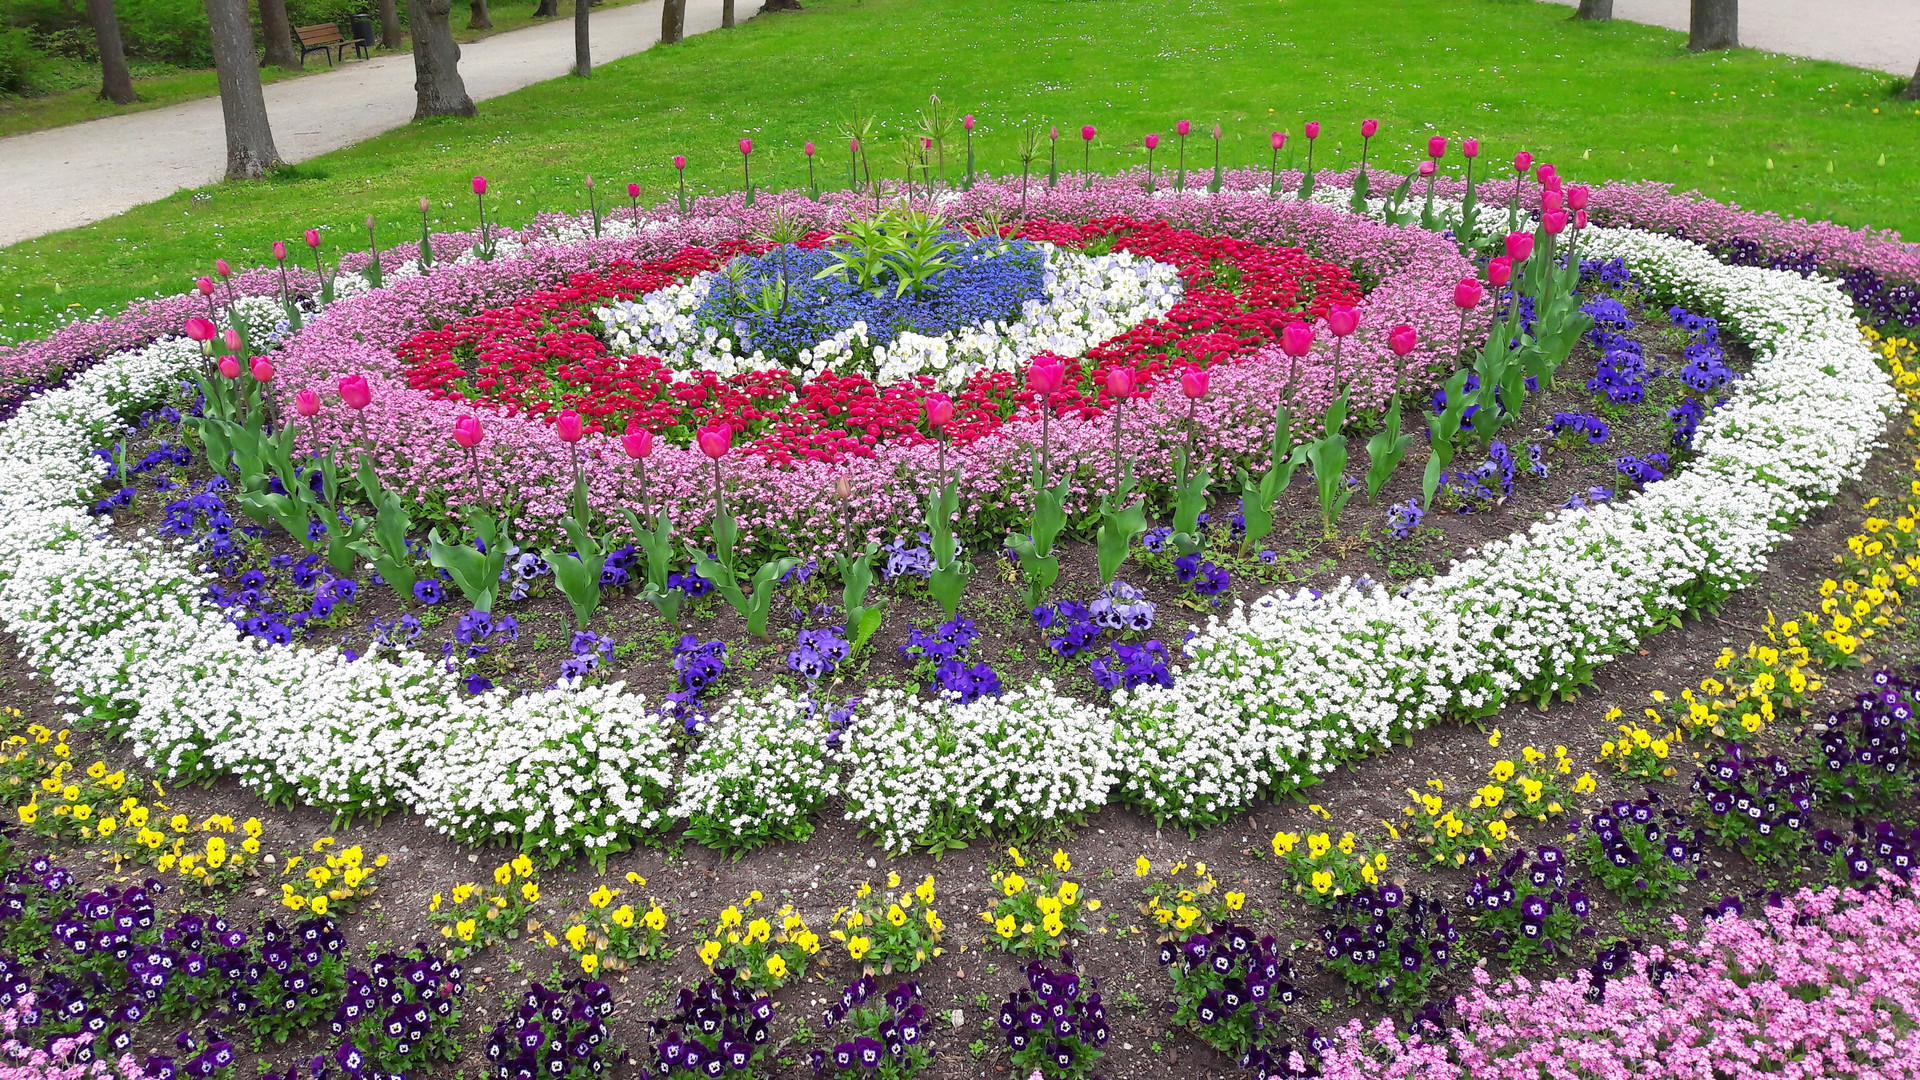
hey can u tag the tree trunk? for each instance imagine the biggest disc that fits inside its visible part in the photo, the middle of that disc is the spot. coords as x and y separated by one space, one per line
250 150
1595 10
437 85
481 18
389 24
673 22
726 14
1913 88
547 9
116 84
1715 24
277 29
582 53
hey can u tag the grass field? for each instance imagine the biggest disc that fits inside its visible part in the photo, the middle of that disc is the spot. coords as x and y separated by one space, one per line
1613 101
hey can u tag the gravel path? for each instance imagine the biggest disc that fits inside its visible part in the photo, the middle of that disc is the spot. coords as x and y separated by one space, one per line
1880 34
73 175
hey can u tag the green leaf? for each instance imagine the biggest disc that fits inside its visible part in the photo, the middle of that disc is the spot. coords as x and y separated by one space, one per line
1118 528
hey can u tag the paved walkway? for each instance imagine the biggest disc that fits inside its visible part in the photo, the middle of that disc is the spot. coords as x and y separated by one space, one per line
1880 34
77 174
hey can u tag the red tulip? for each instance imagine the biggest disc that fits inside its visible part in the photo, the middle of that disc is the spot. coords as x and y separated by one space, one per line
1519 246
1046 377
466 432
1183 127
1313 129
807 149
205 285
1193 382
1120 382
1499 271
567 425
1277 140
313 238
1467 294
1402 339
746 147
680 162
1550 200
355 392
939 409
1469 148
279 251
715 439
479 188
1522 161
638 443
633 191
231 339
1554 221
200 329
1368 128
1342 320
1153 143
1437 147
1577 197
230 367
1087 133
221 268
926 142
306 403
1296 340
967 121
262 369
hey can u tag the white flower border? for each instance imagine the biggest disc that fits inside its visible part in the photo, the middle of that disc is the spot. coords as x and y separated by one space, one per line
1088 299
1272 696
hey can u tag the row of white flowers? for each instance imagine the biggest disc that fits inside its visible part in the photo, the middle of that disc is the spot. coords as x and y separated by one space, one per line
1272 696
1088 299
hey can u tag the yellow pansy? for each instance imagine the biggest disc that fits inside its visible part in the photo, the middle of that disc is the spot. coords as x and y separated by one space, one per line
777 966
600 897
1013 885
1141 867
623 916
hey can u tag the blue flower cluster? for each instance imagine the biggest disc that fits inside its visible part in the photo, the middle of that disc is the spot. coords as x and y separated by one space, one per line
1120 606
1645 470
903 561
1622 374
1595 429
1403 518
588 649
1201 575
253 608
1883 304
991 279
1706 365
1593 496
699 665
690 582
1609 317
817 653
1686 418
1133 665
946 648
1610 273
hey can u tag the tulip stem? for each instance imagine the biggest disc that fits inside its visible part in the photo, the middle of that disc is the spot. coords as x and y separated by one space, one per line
479 488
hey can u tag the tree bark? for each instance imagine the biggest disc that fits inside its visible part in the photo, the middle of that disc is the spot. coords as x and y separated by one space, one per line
389 24
481 17
277 29
547 9
673 22
250 150
726 14
582 52
437 86
116 84
1714 24
1913 88
1595 10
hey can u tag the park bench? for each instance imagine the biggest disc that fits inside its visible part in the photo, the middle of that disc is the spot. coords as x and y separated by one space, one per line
322 38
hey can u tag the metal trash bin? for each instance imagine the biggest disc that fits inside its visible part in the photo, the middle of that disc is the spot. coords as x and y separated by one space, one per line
363 34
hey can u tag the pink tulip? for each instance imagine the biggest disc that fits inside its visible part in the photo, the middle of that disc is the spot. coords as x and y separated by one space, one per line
939 409
926 142
1313 129
1402 339
200 329
230 367
1120 382
306 403
1469 148
715 439
1522 161
221 268
967 121
1193 383
1183 127
231 339
1278 139
279 251
466 432
1054 133
355 392
1437 147
1519 246
1579 219
568 426
1296 340
1368 128
680 162
746 147
633 191
1554 221
853 146
1216 133
1550 182
313 238
1342 320
1545 172
1046 377
1550 200
1428 168
638 443
1153 143
1467 294
1577 197
205 285
1087 133
479 188
262 369
1499 271
807 149
589 181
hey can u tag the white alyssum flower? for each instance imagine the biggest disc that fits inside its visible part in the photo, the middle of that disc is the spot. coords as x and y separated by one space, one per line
759 774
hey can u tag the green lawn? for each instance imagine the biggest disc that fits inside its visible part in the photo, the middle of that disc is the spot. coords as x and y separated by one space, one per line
1612 101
